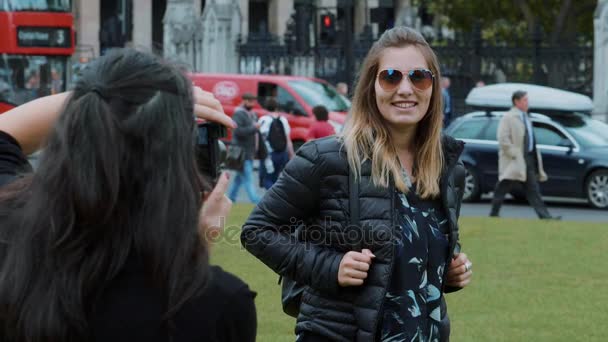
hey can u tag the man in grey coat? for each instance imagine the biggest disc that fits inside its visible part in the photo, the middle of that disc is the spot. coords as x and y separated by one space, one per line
519 161
245 136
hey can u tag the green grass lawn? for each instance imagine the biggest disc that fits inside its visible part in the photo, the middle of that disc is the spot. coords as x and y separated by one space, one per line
533 281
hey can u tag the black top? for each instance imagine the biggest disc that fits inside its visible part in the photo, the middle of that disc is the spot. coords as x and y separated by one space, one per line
130 308
12 159
412 303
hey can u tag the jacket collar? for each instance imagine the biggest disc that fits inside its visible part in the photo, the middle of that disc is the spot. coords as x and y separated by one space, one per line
452 149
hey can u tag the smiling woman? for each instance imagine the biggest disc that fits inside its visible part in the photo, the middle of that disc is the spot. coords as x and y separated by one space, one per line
396 121
377 210
403 103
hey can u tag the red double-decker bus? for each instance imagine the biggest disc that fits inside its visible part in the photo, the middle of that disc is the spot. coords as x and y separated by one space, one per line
35 48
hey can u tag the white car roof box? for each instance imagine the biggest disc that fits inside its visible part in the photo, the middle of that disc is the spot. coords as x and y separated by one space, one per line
540 97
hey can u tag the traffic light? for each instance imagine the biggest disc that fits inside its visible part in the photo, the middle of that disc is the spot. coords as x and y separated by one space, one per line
328 29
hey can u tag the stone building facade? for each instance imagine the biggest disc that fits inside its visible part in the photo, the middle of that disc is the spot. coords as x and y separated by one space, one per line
101 24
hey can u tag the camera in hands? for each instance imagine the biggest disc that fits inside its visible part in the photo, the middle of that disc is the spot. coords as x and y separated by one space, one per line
210 150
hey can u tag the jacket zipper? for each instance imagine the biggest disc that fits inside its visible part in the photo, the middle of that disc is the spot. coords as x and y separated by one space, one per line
390 277
444 189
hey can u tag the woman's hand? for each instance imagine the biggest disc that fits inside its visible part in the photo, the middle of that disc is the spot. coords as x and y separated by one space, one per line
208 108
215 210
353 267
460 271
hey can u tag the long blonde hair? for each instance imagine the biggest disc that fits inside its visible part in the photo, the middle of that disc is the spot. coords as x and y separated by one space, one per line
366 134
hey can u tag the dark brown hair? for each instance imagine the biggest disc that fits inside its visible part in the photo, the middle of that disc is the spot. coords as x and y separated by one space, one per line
320 113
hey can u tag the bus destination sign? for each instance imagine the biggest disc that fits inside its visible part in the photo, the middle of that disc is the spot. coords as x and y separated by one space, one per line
34 36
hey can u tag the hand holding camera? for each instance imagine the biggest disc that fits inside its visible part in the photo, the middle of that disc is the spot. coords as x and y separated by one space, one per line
208 108
210 154
211 151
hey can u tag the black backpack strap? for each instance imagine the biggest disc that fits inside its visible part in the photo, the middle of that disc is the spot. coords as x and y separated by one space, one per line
353 201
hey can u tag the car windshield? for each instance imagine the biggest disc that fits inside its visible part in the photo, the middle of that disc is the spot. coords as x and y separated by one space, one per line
317 93
36 5
24 78
588 132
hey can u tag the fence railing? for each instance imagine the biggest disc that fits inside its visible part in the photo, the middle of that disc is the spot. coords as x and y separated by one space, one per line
466 59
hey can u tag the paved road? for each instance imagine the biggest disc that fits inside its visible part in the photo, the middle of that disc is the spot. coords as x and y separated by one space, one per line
570 210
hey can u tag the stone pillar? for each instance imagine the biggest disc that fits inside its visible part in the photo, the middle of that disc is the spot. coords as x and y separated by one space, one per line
179 24
217 37
142 24
361 16
374 26
87 24
600 62
280 10
406 15
244 6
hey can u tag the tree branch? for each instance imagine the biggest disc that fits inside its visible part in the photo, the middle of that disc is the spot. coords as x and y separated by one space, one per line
558 25
527 12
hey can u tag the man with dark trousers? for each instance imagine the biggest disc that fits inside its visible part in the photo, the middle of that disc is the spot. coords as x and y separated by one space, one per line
245 136
518 159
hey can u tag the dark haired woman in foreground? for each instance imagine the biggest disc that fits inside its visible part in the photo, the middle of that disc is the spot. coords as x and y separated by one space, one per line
106 240
380 277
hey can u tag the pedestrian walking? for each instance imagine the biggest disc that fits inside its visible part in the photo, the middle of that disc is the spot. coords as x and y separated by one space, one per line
275 130
107 239
366 223
519 161
244 136
447 100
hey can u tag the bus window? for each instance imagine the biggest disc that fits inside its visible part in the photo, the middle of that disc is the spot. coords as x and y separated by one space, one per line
24 78
36 5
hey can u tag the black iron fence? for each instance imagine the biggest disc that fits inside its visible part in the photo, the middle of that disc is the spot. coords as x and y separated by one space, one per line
466 59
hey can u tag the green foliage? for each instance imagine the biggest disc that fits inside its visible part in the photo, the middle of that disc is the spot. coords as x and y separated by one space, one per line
533 281
559 20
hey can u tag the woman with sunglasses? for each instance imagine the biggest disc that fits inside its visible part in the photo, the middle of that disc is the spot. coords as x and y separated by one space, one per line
380 277
107 240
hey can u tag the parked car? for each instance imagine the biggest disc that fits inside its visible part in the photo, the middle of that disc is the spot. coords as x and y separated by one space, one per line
574 147
296 97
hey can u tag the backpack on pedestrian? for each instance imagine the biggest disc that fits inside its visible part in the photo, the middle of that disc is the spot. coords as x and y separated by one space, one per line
277 139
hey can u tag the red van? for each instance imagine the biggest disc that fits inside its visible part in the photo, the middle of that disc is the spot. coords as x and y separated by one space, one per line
296 97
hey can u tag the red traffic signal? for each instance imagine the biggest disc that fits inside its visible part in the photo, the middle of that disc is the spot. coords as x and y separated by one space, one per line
328 28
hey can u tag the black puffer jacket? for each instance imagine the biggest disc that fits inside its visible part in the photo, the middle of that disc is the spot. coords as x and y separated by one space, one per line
311 197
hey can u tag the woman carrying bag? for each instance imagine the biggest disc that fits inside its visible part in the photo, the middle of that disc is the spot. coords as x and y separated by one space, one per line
384 278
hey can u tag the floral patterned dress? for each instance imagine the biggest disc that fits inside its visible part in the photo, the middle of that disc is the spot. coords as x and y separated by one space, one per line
411 310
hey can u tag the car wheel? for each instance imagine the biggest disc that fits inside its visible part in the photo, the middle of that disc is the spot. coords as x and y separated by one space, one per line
471 185
596 189
297 144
